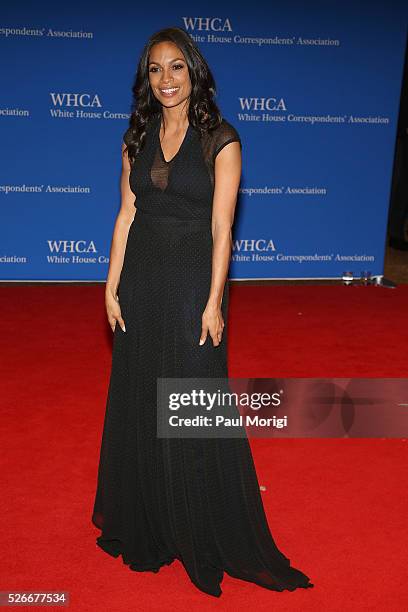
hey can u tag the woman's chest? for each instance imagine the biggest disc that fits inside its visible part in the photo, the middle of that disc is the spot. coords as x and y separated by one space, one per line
186 176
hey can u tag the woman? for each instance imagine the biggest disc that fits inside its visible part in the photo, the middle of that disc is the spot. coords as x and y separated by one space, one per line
159 499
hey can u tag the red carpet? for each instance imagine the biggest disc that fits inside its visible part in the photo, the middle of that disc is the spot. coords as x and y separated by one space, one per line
335 507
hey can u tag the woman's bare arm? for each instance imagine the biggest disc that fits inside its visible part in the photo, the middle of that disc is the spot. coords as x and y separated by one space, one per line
228 167
119 239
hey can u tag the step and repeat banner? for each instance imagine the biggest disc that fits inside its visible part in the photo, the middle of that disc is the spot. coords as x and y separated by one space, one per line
313 89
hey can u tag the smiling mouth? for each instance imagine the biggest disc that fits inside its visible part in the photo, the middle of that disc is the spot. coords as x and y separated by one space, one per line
169 91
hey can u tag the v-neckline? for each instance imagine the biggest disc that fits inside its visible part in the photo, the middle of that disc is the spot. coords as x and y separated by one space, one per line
180 147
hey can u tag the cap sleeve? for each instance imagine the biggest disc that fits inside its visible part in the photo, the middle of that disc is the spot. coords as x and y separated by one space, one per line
226 133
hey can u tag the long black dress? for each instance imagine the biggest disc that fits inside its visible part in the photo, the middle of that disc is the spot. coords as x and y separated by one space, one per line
158 499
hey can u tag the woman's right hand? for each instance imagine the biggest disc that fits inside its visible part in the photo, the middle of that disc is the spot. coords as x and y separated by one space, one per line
113 311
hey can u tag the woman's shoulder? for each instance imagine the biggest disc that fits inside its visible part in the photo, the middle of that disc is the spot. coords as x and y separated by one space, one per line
129 134
226 129
224 134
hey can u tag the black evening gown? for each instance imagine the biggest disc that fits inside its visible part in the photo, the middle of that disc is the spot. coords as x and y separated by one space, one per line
160 499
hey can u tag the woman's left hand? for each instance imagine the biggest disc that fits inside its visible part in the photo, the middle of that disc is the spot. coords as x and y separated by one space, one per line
212 322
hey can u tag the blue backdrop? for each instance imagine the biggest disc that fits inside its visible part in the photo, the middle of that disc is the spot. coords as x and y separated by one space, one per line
313 89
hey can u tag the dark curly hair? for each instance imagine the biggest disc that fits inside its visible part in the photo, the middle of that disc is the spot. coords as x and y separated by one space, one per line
203 112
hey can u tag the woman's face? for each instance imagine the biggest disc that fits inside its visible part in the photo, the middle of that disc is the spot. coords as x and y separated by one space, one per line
168 74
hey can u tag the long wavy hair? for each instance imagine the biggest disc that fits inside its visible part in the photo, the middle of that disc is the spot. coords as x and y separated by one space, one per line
203 112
